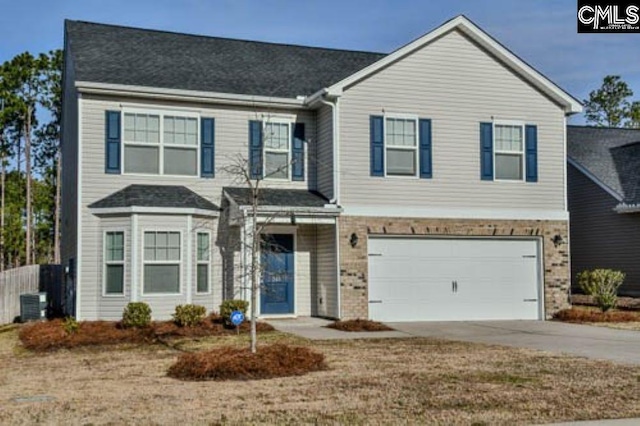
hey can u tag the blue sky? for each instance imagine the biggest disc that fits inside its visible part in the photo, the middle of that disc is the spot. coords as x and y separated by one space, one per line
542 32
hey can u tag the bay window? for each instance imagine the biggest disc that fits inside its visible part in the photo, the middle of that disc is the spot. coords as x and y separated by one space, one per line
162 260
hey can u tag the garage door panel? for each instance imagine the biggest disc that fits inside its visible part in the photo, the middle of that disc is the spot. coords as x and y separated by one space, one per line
411 279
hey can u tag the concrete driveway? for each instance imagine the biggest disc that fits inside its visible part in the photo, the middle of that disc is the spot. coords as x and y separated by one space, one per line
583 340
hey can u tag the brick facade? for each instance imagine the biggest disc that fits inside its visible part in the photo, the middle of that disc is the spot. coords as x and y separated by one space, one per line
354 260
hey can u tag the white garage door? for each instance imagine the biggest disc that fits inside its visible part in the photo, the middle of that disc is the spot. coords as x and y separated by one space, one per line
412 279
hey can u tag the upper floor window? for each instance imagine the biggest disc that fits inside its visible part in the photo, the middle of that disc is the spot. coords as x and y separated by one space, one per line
509 152
401 147
160 144
277 137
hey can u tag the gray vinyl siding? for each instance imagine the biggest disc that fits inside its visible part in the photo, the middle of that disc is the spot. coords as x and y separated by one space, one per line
457 85
600 237
326 287
69 137
304 273
231 139
324 158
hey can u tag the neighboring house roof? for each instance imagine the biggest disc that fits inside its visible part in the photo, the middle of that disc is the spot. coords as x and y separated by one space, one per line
610 157
278 197
163 196
140 57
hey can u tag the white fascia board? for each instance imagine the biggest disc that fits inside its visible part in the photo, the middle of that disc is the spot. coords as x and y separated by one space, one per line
455 213
154 210
569 103
188 95
306 220
312 211
595 180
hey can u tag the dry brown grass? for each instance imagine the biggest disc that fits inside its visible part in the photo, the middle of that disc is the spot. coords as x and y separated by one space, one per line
50 335
373 381
359 325
230 363
593 315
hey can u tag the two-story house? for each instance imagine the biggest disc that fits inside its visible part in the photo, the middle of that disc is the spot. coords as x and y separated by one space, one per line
424 184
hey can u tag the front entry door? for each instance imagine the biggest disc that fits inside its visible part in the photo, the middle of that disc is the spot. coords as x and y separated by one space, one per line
276 292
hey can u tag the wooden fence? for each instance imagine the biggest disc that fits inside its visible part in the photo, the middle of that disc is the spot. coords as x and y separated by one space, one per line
33 279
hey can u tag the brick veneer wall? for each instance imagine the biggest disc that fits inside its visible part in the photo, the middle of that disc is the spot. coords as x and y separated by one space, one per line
354 260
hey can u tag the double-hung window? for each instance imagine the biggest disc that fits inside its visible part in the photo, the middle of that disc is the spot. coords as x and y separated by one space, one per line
277 137
114 263
401 148
163 144
509 152
162 262
203 262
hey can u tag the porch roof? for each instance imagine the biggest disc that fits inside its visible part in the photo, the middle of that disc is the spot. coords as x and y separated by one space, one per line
276 197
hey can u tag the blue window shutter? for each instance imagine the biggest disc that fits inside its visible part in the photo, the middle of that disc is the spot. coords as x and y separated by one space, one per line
531 144
255 149
297 151
112 142
376 134
486 151
426 170
207 147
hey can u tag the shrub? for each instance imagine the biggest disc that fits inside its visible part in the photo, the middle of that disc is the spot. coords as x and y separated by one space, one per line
229 363
602 285
189 315
228 306
359 325
136 315
70 325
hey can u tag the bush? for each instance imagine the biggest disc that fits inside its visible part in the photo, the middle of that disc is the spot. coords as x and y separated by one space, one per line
359 325
229 363
228 306
189 315
136 315
602 285
70 325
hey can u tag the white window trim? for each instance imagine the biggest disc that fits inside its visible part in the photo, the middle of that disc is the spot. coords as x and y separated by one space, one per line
416 148
522 153
106 262
163 262
161 113
204 262
289 124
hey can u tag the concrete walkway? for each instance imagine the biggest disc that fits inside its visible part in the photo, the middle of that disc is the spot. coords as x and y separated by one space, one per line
582 340
315 329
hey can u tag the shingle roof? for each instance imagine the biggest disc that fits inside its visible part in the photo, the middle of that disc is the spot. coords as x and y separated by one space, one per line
612 155
155 196
131 56
278 197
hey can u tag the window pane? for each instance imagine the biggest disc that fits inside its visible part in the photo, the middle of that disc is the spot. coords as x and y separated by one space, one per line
141 159
401 162
115 279
509 166
173 239
203 246
400 132
191 125
276 165
114 246
180 161
161 278
508 138
276 136
203 278
129 122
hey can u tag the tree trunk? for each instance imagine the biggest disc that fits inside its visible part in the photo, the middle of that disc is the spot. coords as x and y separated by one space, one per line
254 267
2 192
56 225
27 159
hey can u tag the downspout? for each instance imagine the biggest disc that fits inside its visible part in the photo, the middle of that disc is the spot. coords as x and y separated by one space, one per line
335 109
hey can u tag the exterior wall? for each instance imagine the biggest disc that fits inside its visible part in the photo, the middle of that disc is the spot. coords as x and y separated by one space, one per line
354 260
324 153
600 237
304 271
231 139
326 288
457 85
69 130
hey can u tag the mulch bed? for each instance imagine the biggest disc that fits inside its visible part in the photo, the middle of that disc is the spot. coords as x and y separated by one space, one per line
50 335
359 325
586 315
630 303
230 363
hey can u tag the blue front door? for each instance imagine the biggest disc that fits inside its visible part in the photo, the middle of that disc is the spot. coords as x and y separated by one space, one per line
276 291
